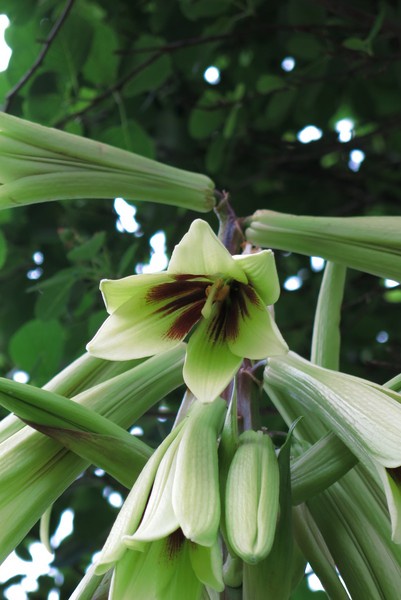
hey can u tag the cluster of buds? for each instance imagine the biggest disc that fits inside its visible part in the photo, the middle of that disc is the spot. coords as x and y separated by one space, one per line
166 537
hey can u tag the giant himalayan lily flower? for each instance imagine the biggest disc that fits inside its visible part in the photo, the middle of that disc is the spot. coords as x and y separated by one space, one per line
226 296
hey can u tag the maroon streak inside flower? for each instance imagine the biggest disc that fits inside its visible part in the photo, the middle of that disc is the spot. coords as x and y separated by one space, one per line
395 474
185 297
225 324
174 543
181 288
185 321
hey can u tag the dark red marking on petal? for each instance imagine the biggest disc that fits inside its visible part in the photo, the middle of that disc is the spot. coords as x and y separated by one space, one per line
174 544
185 321
224 325
240 300
216 326
182 301
187 277
232 321
251 294
395 473
172 289
184 297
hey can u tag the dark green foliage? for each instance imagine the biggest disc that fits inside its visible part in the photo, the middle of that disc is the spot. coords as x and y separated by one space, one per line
131 74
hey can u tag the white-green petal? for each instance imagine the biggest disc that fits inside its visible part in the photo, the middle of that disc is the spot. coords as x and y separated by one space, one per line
258 335
162 572
131 513
367 419
196 494
159 519
200 252
130 574
209 365
183 583
260 268
207 562
116 292
393 496
134 330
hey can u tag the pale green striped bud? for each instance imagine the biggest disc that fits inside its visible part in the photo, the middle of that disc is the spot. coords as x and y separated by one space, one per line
40 164
252 496
370 244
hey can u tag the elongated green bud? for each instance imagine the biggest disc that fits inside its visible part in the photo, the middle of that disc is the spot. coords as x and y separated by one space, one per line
39 164
252 496
370 244
272 577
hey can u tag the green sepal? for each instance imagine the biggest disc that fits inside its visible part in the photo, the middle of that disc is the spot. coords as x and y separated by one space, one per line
319 467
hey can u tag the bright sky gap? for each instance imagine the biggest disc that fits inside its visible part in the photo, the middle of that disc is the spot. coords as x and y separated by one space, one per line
212 75
310 133
5 50
345 130
126 216
293 283
356 158
288 64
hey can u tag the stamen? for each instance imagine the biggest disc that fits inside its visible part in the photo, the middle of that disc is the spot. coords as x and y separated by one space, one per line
214 294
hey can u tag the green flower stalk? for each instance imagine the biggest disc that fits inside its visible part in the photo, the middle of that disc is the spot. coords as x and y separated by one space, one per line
353 520
224 296
345 528
39 164
365 416
174 504
36 467
313 545
370 244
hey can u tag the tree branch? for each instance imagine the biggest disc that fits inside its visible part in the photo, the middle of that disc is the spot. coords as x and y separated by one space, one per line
117 87
40 58
176 45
